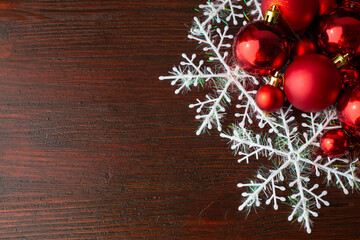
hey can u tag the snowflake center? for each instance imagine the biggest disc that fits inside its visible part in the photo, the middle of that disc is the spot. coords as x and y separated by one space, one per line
294 156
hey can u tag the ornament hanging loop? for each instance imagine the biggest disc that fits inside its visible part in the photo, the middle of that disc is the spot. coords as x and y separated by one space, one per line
272 16
341 60
276 79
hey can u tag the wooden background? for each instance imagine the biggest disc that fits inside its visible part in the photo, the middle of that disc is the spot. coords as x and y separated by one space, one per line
94 146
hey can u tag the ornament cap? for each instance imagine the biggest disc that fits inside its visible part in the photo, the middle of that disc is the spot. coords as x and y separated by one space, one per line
341 60
272 16
276 79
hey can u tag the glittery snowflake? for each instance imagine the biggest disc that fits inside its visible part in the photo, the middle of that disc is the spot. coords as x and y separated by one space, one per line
288 138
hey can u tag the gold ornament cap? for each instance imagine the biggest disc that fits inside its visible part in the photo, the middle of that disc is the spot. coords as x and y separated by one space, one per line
276 79
341 60
272 16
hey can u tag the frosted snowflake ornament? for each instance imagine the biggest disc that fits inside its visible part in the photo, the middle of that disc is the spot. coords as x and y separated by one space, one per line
288 140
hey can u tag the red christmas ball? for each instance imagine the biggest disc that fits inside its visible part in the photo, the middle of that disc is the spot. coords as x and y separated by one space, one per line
348 109
350 76
270 98
303 47
295 14
260 49
312 83
334 143
326 6
338 32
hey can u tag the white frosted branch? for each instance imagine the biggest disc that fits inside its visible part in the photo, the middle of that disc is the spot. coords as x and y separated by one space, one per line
273 196
312 124
348 175
248 146
289 134
318 198
253 197
212 11
261 115
215 110
302 205
230 8
191 73
318 131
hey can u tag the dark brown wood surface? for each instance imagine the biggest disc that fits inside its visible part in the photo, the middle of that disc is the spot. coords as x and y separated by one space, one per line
94 146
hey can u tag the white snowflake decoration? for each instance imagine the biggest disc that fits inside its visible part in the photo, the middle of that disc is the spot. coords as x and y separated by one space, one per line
280 141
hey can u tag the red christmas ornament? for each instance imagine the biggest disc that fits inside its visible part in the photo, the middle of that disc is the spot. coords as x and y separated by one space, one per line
348 109
326 6
334 143
296 14
350 76
303 47
312 83
270 97
260 49
338 32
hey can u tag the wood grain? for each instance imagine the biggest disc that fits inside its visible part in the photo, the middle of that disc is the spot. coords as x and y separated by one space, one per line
94 146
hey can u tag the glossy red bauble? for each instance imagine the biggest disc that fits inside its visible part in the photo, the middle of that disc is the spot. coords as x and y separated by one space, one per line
312 83
303 47
334 143
295 14
270 98
350 76
348 109
338 32
326 6
260 49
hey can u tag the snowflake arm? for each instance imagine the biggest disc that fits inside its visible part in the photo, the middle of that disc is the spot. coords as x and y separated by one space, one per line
316 127
330 170
204 36
260 115
213 11
246 145
191 74
270 182
246 106
216 109
302 208
290 134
